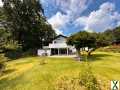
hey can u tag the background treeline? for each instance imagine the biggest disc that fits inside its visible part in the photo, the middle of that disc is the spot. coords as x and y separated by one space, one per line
94 40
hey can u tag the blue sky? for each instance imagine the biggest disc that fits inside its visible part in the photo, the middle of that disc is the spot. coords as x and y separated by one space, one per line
70 16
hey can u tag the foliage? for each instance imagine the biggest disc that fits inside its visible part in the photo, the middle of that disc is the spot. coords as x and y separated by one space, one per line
116 33
104 39
68 83
13 54
108 37
93 40
85 81
26 22
4 34
87 78
111 48
82 39
43 61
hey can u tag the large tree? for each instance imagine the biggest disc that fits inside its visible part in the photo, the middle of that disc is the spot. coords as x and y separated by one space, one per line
81 40
4 34
26 21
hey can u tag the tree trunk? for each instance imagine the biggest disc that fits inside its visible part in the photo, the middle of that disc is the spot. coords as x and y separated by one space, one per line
79 54
90 51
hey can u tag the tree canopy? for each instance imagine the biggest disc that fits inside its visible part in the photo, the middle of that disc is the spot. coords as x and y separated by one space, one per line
82 39
27 23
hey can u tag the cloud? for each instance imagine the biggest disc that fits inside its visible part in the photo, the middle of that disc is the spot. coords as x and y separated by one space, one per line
1 4
72 8
67 11
104 18
57 21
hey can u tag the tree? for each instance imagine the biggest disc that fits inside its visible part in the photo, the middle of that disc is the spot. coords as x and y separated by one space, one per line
26 21
116 33
104 39
81 40
4 34
3 40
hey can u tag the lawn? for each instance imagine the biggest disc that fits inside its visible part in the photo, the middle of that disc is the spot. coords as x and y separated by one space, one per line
30 74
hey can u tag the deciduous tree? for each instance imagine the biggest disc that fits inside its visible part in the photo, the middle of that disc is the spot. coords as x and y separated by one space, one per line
26 20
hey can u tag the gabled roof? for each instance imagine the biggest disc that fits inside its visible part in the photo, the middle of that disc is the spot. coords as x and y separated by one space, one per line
60 36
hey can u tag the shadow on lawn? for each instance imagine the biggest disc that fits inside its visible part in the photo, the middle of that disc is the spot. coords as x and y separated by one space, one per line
95 57
8 71
9 82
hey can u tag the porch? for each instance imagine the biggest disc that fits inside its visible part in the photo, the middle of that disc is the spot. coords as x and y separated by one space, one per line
60 51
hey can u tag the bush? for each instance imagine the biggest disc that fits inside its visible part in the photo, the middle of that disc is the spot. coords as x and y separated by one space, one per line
68 83
43 61
13 54
84 81
87 79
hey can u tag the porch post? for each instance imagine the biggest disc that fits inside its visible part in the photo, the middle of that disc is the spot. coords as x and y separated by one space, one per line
67 51
50 52
58 52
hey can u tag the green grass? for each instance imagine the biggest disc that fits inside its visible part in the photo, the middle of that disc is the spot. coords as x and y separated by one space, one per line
30 74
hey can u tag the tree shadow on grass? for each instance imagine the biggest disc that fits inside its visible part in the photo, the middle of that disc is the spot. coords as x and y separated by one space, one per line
95 57
8 71
6 82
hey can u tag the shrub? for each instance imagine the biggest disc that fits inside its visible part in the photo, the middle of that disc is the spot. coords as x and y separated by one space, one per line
68 83
43 61
84 81
87 79
13 53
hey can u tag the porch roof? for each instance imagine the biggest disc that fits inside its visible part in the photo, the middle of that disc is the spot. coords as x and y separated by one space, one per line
60 45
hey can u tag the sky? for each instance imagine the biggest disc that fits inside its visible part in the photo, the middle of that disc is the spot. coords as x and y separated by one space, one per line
70 16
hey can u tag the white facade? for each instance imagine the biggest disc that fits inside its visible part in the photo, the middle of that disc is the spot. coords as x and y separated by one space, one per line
57 47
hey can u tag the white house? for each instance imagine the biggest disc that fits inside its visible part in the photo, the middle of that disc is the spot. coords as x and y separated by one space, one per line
57 47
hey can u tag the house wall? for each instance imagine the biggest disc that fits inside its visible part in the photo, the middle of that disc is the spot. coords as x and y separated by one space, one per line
59 40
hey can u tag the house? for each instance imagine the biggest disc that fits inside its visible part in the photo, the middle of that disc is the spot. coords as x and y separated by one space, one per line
57 47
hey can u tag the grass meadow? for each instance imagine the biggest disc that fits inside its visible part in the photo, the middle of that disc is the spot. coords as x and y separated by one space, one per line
42 73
